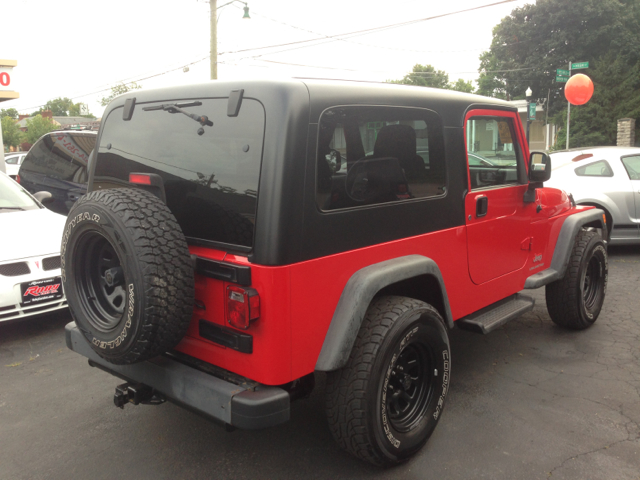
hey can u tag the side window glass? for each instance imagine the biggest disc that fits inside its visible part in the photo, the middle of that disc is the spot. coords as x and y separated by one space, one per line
493 152
372 155
71 152
38 157
632 165
11 160
595 169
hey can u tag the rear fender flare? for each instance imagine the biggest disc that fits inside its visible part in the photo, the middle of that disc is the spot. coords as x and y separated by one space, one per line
358 294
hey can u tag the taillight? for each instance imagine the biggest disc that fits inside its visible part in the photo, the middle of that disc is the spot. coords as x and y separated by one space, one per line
243 306
140 178
18 178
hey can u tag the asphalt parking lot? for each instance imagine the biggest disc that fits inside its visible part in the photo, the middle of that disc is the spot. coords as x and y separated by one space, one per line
528 401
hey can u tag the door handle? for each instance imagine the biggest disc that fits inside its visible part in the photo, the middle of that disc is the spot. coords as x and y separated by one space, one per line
482 206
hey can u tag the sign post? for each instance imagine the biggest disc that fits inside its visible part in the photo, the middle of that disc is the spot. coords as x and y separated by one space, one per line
6 93
572 66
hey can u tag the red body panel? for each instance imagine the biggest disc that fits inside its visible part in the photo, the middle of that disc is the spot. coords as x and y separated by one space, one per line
481 262
298 301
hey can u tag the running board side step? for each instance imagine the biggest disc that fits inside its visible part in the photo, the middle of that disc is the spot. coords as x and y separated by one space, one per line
496 315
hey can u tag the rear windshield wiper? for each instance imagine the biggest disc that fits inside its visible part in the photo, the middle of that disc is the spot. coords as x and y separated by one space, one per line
178 108
11 208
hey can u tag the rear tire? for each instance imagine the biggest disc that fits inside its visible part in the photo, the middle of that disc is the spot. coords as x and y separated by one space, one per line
127 274
385 403
575 301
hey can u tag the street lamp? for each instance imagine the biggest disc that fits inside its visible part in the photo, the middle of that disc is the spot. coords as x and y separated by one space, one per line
214 32
528 94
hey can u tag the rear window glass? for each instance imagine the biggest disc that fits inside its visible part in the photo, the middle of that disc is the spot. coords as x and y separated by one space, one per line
596 169
63 156
373 155
210 173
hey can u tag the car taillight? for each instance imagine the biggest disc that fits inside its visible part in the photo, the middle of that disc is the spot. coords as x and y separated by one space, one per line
243 306
140 178
18 178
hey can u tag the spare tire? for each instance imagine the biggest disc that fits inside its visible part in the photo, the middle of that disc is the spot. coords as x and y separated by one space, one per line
127 274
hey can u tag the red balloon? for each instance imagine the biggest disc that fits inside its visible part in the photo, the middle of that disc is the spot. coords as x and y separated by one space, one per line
578 89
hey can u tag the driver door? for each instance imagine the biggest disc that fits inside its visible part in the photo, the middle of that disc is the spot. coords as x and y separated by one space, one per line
497 218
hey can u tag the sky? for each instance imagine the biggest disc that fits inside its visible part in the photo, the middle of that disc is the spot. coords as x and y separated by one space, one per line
80 48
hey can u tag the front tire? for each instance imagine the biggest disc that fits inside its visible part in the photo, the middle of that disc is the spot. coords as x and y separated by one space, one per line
575 301
385 403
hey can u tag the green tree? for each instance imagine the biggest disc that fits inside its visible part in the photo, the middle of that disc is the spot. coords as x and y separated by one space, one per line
38 126
428 76
616 95
536 39
59 106
425 76
462 86
9 112
11 134
119 90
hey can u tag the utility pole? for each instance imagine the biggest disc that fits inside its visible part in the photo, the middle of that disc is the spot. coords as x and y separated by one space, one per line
214 39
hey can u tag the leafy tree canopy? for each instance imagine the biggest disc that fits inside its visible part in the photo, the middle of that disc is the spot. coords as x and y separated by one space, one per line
428 76
536 39
62 107
119 90
11 134
9 112
38 126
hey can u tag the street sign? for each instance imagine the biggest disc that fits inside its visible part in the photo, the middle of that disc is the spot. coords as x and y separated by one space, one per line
576 66
561 79
532 110
562 73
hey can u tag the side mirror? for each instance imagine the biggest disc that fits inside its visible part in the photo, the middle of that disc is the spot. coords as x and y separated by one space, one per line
43 197
539 167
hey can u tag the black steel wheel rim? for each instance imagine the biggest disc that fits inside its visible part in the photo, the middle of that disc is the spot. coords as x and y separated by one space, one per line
410 386
96 263
592 283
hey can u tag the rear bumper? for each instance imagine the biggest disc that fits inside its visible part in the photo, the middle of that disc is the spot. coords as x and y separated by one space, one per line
237 405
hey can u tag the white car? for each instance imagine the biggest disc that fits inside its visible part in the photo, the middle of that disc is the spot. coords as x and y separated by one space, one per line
30 237
607 178
12 162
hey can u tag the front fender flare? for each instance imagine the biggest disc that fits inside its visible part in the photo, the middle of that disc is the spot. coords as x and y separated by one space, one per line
357 296
564 246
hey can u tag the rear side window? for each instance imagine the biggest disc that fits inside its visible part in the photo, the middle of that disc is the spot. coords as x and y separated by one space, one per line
62 156
595 169
632 165
373 155
210 173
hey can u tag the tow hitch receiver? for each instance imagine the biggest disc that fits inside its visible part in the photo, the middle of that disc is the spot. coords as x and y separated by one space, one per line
136 393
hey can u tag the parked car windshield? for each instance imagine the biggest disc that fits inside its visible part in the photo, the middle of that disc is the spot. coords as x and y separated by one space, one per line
14 197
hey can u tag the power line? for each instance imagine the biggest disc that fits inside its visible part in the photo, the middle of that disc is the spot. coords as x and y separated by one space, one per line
370 30
327 39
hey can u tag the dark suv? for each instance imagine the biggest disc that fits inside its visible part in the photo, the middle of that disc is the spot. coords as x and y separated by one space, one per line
57 163
240 236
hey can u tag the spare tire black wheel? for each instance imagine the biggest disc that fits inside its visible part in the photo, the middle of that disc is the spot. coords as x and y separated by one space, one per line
127 274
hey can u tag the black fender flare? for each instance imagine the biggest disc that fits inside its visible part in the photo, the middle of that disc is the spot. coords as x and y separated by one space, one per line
562 252
358 294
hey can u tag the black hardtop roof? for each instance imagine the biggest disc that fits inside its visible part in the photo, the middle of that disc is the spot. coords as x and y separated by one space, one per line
323 94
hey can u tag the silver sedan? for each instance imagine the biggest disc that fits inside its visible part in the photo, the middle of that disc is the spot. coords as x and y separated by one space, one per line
608 178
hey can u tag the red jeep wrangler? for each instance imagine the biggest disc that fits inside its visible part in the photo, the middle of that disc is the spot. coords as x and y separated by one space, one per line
239 236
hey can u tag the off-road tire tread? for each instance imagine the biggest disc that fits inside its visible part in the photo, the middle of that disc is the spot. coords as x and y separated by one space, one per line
162 252
562 295
346 387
